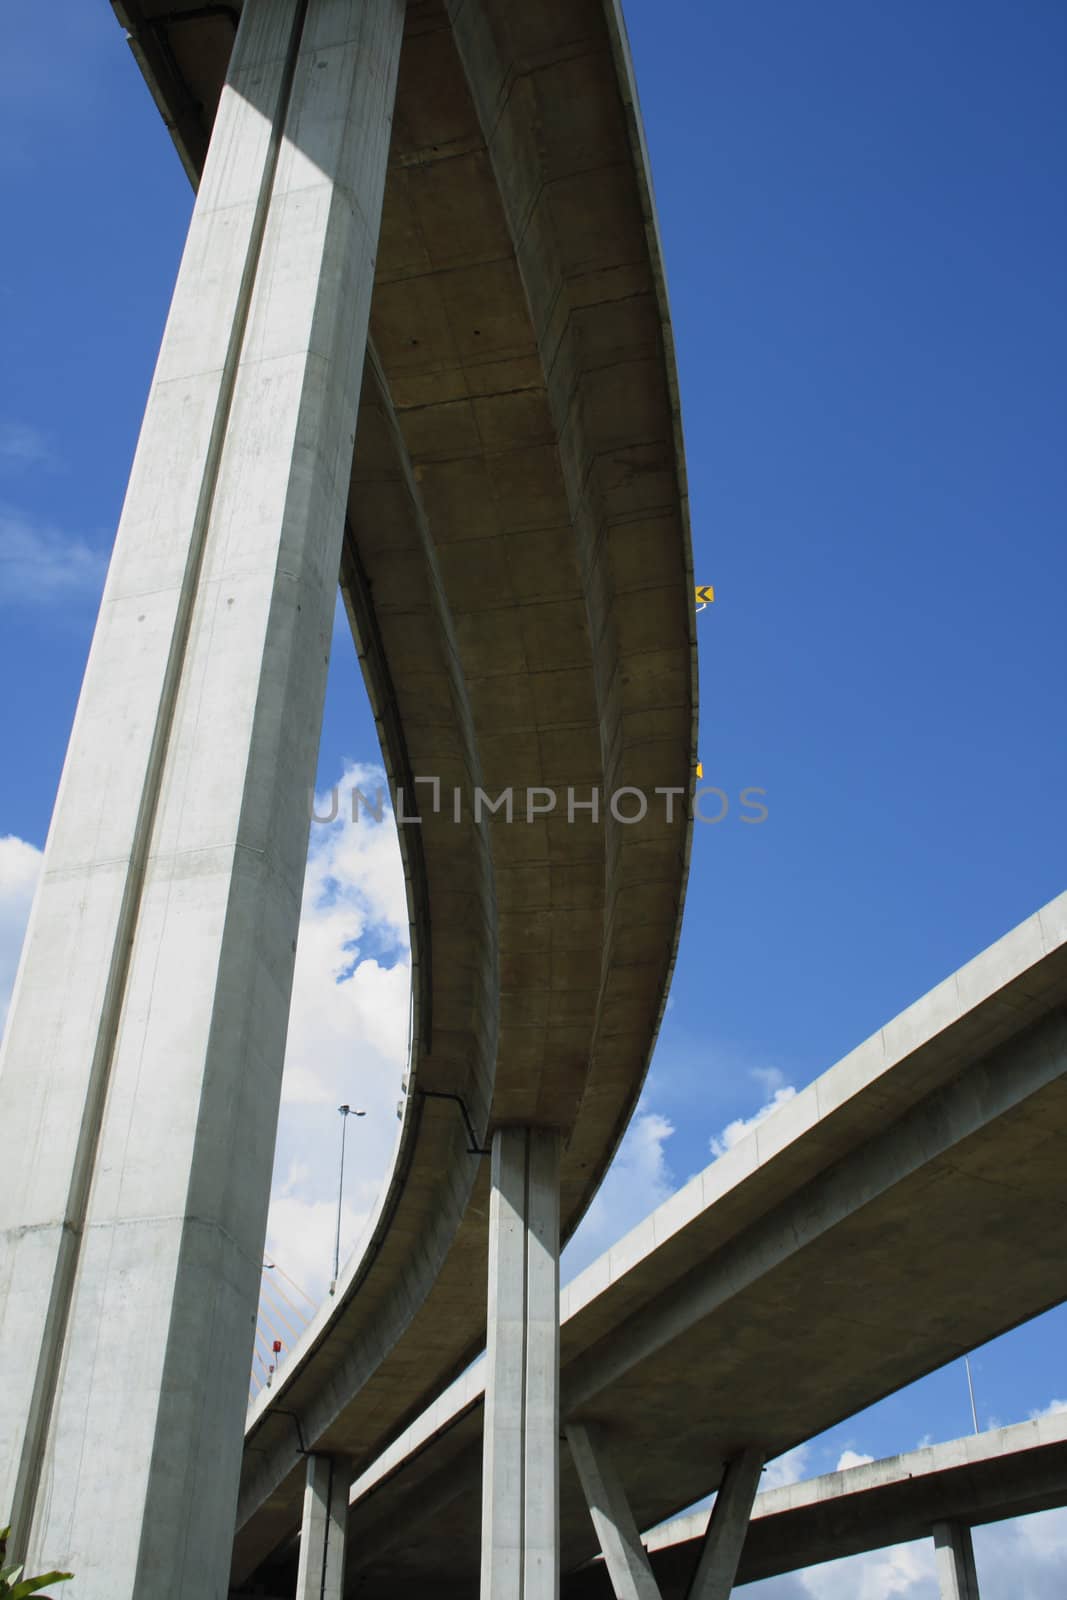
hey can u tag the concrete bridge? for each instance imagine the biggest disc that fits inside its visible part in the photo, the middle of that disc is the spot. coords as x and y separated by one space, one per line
870 1230
419 345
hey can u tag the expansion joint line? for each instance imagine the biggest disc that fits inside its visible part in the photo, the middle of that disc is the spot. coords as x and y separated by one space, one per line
57 1318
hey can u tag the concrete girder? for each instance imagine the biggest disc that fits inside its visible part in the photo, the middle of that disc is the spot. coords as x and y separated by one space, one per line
469 406
952 1114
1008 1472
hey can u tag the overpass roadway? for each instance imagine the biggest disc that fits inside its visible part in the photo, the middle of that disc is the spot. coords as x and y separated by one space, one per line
905 1207
518 577
986 1477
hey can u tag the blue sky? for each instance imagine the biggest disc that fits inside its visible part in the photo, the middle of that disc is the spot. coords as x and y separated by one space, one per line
861 208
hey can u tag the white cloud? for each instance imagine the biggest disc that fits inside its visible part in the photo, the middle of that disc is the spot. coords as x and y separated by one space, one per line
852 1458
40 565
788 1468
20 866
348 1034
735 1131
1025 1558
768 1078
638 1180
1053 1409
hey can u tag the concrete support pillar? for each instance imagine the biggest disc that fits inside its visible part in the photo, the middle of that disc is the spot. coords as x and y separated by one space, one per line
725 1538
142 1059
624 1555
520 1481
954 1556
321 1571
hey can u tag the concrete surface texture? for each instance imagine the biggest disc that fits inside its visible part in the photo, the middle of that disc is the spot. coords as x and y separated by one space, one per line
954 1558
1007 1472
626 1566
520 1472
720 1551
512 540
323 1528
143 1053
517 568
893 1199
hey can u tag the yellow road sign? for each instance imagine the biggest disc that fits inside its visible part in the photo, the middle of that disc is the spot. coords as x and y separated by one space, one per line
705 593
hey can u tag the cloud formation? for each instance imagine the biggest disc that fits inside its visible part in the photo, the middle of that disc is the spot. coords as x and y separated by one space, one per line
638 1180
734 1132
348 1033
40 565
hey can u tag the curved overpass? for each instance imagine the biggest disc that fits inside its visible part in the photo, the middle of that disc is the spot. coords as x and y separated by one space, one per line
517 571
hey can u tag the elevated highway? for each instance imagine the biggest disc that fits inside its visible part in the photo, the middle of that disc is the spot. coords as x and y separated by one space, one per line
880 1224
987 1477
516 568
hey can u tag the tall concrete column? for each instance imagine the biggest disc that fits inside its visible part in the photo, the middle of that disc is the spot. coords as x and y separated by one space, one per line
142 1060
520 1480
957 1574
321 1569
727 1528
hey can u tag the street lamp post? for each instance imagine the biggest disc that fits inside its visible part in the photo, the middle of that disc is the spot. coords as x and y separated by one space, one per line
346 1112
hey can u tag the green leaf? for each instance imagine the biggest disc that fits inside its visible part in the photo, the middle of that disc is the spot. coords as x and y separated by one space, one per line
31 1585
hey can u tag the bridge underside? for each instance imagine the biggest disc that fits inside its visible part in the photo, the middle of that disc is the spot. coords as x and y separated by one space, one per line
419 345
878 1226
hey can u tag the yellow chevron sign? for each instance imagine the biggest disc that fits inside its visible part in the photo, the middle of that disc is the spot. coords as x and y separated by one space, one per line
705 593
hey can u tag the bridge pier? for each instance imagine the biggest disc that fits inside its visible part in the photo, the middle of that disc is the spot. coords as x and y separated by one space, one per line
624 1555
957 1574
520 1485
321 1570
142 1059
727 1528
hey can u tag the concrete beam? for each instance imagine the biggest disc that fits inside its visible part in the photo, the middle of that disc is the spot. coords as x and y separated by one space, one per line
624 1554
990 1089
170 896
520 1493
321 1569
1008 1472
727 1527
954 1555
